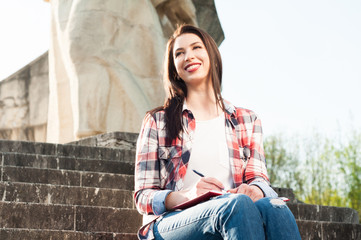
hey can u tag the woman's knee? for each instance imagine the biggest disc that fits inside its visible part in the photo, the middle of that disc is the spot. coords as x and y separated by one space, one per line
265 203
237 204
272 207
240 201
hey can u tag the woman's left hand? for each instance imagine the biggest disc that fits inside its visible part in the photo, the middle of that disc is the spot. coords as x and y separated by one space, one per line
254 192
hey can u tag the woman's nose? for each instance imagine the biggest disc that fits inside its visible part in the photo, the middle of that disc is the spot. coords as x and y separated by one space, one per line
188 55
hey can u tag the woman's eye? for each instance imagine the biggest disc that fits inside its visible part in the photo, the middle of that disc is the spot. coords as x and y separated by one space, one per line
196 47
177 54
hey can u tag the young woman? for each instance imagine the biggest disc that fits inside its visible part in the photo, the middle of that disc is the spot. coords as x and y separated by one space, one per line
198 131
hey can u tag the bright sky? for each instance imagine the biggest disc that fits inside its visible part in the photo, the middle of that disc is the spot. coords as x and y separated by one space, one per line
297 64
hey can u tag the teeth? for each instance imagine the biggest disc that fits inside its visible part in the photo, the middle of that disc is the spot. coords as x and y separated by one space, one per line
192 67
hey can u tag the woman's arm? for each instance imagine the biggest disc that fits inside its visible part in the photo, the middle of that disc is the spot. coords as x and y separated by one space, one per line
256 177
148 197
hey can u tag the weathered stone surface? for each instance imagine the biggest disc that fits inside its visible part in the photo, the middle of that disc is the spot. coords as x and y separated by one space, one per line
341 231
27 147
47 176
67 163
24 102
108 219
103 87
67 178
310 230
89 152
77 151
107 180
207 19
324 213
119 140
14 109
317 230
30 160
32 234
104 166
36 216
69 195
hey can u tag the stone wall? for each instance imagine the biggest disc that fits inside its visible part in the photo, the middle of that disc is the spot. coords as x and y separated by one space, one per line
24 102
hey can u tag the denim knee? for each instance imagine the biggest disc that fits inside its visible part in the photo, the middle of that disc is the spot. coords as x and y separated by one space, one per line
238 201
266 203
278 219
273 208
236 206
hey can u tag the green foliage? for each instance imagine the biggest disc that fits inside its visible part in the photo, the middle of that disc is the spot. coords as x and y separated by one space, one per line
320 170
350 160
282 164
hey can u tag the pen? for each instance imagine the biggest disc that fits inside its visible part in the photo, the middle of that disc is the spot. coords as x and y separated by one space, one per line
198 173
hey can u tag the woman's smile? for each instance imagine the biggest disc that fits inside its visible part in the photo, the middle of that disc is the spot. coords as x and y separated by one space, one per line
192 67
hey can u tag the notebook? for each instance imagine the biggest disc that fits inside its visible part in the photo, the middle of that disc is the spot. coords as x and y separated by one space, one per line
201 198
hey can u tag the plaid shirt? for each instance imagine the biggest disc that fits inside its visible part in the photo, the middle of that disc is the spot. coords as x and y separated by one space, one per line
161 163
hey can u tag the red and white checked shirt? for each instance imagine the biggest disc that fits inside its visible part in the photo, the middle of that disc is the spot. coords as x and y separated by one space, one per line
161 163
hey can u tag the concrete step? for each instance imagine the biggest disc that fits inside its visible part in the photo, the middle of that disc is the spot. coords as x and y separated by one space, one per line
66 163
90 196
68 218
324 213
121 140
66 195
31 234
318 230
67 177
67 150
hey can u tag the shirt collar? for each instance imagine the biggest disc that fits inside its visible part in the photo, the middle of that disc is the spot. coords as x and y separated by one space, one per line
229 108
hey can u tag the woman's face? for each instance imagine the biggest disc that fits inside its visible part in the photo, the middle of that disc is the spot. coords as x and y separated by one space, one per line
191 59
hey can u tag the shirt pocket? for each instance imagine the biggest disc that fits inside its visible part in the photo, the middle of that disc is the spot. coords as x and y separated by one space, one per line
169 158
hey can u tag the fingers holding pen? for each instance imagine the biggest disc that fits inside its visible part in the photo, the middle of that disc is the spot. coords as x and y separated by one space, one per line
209 183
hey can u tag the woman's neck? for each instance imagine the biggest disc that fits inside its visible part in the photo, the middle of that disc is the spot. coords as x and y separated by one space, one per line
203 105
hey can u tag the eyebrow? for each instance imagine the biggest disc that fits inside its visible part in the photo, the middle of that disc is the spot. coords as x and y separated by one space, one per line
189 45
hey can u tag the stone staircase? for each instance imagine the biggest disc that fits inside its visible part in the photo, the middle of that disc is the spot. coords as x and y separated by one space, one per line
83 190
54 191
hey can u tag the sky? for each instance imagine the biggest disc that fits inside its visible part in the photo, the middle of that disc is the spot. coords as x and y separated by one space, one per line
297 64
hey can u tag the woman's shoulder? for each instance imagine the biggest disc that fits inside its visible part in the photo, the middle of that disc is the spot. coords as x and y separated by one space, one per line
239 111
157 114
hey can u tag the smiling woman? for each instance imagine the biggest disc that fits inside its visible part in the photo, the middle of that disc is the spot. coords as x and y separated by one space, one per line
197 129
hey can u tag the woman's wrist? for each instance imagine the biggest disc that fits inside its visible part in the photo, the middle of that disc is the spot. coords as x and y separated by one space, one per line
175 198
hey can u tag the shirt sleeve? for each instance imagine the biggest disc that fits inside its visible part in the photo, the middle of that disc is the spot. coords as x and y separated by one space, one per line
159 201
266 189
148 196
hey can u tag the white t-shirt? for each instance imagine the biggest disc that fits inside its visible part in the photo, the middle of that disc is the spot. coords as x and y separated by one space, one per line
209 154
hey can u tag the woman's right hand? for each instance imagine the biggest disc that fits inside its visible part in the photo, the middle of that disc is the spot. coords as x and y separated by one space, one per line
203 185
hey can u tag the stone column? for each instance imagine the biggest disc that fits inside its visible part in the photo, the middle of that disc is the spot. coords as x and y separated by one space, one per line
104 66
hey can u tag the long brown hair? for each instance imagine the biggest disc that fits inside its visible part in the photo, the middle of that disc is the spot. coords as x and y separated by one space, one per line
176 88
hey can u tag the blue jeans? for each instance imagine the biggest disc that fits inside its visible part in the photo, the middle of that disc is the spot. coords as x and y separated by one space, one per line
231 217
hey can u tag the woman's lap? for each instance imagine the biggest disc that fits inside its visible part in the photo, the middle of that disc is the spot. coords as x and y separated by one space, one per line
230 216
